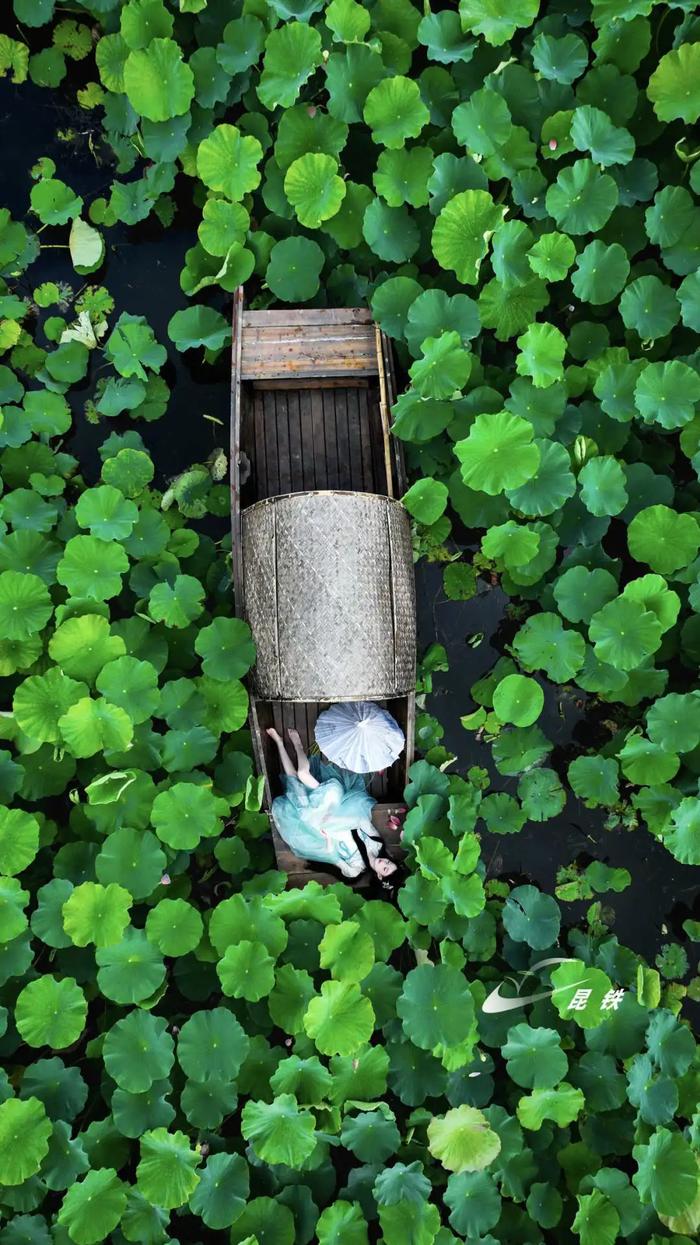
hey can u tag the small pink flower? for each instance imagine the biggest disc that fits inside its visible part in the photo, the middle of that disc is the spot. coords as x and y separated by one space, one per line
175 1029
203 1148
288 1041
165 880
552 144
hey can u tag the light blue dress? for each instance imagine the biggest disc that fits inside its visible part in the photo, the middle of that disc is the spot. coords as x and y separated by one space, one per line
317 822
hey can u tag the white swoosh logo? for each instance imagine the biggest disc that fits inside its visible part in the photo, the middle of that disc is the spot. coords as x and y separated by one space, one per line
494 1003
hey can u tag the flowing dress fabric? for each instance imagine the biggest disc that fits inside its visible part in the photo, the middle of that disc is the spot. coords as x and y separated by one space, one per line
317 822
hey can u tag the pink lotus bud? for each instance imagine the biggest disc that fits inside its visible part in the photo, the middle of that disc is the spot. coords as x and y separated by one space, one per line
165 880
203 1149
175 1029
552 144
288 1041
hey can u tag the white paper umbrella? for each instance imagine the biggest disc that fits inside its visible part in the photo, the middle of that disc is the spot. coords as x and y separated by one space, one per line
360 736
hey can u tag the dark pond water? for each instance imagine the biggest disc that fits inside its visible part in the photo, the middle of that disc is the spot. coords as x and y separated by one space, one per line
142 273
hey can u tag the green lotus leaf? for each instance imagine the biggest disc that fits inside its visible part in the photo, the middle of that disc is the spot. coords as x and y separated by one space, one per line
83 645
342 1223
222 225
543 643
132 347
597 1221
132 685
436 1006
667 1172
562 1105
25 1130
670 216
580 593
552 485
518 699
667 393
655 1096
183 813
552 256
226 705
166 1174
198 326
292 53
371 1137
688 294
534 1057
426 500
246 971
673 87
294 269
143 20
174 926
264 1221
511 544
227 161
13 901
483 123
498 454
462 231
649 307
51 1011
624 633
106 512
92 568
600 273
42 699
133 858
496 20
138 1050
531 917
420 419
674 720
157 82
91 726
290 997
314 188
131 970
347 951
350 76
339 1020
681 834
595 780
560 59
645 762
25 605
394 111
541 354
54 202
212 1046
390 232
444 367
131 471
603 486
433 312
664 539
593 131
243 41
97 914
47 921
582 199
279 1131
581 993
93 1207
402 176
502 814
30 553
462 1140
222 1191
541 795
177 605
19 840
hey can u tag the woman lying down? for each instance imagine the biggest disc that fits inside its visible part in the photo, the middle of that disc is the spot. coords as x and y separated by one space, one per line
321 806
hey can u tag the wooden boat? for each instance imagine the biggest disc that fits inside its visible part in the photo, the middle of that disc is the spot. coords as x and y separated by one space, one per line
322 559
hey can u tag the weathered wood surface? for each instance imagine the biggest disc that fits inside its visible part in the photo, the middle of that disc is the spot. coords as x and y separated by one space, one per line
308 350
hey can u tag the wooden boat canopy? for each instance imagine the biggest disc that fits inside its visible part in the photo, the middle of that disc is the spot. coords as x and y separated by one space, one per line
322 558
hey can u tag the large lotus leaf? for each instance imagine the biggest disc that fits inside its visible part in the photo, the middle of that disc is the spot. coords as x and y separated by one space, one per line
543 643
97 914
595 780
394 111
236 918
667 1172
390 232
496 20
444 367
92 568
227 161
292 53
290 997
552 256
91 726
266 1221
402 176
83 645
655 595
177 604
688 294
560 59
518 700
313 188
25 1130
420 419
133 858
535 1059
511 544
157 82
340 1019
580 593
532 917
463 1140
650 307
212 1046
667 393
664 539
166 1174
130 970
106 513
593 131
436 1006
294 269
674 86
645 762
603 486
600 273
19 839
434 312
138 1050
174 926
541 795
54 202
483 123
551 486
93 1207
498 454
350 76
462 231
51 1011
279 1131
42 699
246 971
183 812
426 500
582 199
674 721
541 354
25 605
624 633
